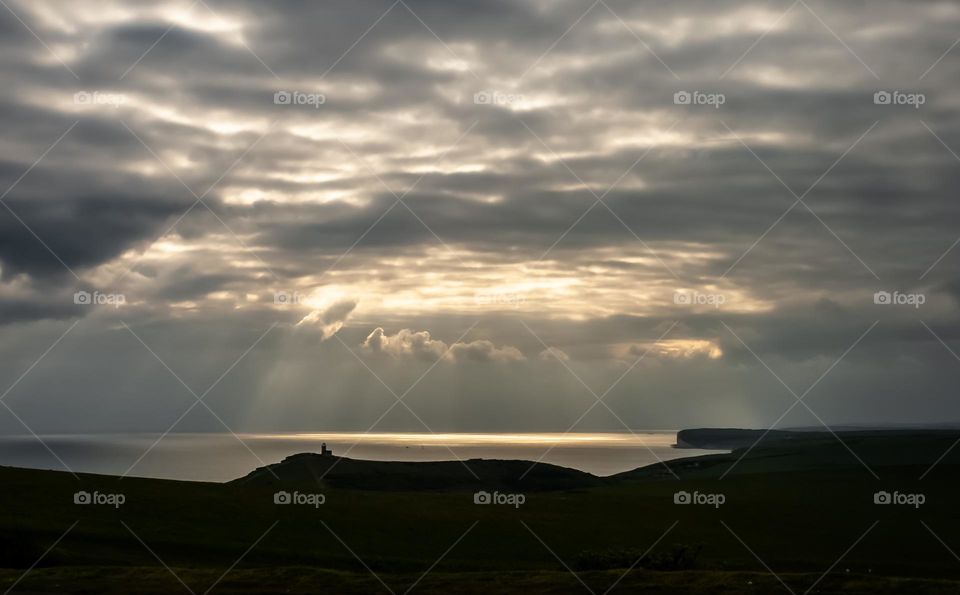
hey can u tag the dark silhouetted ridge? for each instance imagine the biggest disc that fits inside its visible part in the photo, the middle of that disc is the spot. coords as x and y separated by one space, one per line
310 469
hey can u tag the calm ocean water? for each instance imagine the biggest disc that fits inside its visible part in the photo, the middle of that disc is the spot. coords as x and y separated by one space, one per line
221 457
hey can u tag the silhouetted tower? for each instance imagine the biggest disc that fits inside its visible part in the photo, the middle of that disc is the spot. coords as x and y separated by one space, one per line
324 452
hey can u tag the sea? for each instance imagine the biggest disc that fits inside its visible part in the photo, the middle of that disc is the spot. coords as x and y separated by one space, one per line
222 457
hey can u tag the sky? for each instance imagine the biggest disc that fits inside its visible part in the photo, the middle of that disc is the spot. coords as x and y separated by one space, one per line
426 215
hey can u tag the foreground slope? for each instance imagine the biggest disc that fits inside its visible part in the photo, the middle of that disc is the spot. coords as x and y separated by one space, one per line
807 511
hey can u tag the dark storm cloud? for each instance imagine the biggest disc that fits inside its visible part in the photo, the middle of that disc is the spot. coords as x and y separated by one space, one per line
86 230
298 202
28 308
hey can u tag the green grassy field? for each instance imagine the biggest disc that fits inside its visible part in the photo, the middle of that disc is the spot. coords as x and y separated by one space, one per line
784 513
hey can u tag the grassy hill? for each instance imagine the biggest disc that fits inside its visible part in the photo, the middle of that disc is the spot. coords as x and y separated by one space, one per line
781 451
796 507
312 470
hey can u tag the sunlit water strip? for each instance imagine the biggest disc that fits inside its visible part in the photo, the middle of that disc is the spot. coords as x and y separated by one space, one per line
222 457
600 440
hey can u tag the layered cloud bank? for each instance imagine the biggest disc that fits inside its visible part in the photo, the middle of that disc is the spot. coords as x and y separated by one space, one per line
689 201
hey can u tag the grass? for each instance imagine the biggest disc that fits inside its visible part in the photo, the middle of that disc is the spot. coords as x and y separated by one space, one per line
800 523
308 580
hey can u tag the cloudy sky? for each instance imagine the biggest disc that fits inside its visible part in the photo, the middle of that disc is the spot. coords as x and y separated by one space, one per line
431 215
